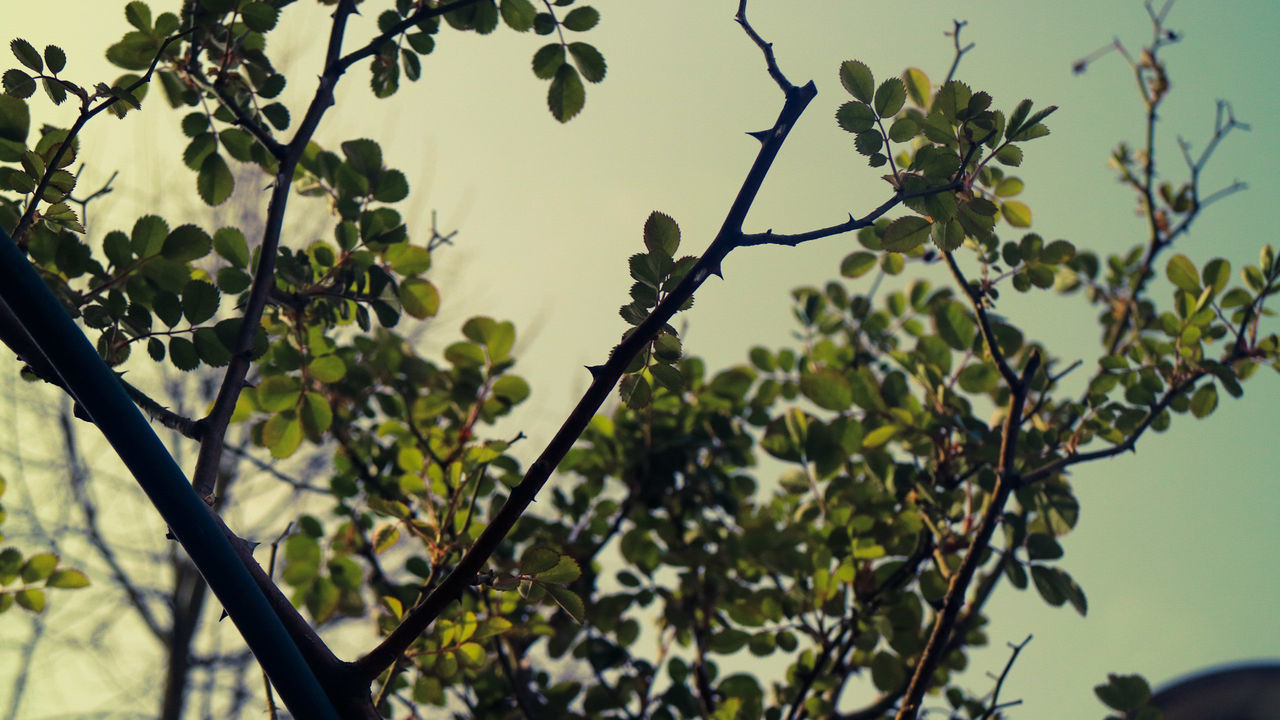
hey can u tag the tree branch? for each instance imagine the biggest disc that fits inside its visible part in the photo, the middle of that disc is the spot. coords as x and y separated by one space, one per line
94 386
770 61
264 277
604 377
1006 480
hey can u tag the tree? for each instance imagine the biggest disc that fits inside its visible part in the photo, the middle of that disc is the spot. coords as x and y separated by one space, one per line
875 552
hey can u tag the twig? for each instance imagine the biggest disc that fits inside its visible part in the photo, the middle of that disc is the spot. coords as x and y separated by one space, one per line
770 61
995 694
960 51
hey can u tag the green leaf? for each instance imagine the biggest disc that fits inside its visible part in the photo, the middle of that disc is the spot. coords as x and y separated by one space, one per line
1015 213
518 14
1216 274
67 579
917 84
890 97
547 60
906 233
278 392
182 353
38 567
1124 692
199 301
903 129
979 378
566 95
15 124
888 673
282 434
18 84
581 19
229 242
880 436
1010 155
857 80
1204 401
186 243
855 117
568 601
589 61
661 234
565 571
537 559
858 263
419 297
259 16
947 236
139 15
1008 187
511 390
952 322
26 54
472 655
277 114
364 156
828 389
392 187
1016 119
952 97
214 181
32 599
407 259
1182 273
55 58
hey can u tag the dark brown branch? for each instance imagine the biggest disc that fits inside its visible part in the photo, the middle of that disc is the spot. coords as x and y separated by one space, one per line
1006 479
958 25
246 121
984 322
603 380
264 277
772 238
770 61
995 694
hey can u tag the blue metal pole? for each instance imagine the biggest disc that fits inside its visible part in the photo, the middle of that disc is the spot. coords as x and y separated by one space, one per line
95 387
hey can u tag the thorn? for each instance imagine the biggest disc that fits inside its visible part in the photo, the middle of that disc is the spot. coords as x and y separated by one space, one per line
761 135
595 370
715 270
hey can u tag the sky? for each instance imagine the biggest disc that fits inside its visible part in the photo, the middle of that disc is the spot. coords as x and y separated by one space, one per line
1175 547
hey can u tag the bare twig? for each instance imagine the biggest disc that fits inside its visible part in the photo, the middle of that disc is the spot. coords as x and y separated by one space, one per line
770 61
960 51
995 704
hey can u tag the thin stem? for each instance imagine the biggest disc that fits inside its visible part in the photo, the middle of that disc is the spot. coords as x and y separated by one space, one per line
995 694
